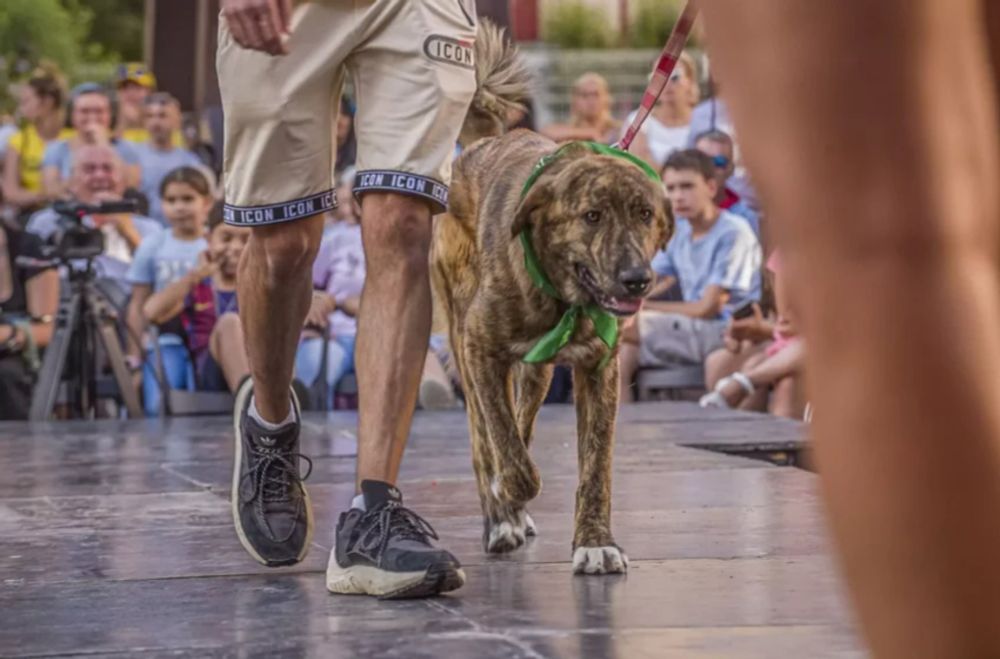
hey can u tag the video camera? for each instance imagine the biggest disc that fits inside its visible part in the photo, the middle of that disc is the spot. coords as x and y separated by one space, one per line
76 241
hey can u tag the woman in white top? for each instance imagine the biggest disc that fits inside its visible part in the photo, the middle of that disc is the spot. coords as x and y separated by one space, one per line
669 124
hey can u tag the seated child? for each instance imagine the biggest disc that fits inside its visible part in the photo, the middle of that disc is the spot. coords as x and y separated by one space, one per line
715 258
745 372
186 202
205 301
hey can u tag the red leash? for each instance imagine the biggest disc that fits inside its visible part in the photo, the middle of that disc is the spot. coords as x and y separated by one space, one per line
664 67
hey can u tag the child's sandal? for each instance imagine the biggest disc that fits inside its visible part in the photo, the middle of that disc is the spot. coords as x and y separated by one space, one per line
715 398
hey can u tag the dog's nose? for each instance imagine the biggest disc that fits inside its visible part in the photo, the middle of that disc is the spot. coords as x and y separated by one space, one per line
635 280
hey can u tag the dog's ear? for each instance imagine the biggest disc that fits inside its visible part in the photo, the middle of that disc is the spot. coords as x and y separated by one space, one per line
533 204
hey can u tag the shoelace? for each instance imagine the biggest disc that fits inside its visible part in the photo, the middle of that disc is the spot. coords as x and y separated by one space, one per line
391 518
274 472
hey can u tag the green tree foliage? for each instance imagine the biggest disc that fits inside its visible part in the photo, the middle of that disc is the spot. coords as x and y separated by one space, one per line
113 28
573 24
651 23
30 31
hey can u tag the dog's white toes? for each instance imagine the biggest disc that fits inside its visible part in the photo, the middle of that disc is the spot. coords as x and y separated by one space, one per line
504 537
599 560
530 529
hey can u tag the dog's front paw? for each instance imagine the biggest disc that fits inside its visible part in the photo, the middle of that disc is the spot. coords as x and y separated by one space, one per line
509 533
599 560
505 536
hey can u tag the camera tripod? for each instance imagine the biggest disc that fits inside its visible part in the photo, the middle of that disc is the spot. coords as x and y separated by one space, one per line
86 321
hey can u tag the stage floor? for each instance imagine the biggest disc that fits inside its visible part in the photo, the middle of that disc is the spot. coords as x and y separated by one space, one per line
116 539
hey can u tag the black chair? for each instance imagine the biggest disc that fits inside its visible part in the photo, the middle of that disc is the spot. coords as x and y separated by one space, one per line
181 402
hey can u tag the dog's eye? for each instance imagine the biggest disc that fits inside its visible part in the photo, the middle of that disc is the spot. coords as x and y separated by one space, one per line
646 214
592 217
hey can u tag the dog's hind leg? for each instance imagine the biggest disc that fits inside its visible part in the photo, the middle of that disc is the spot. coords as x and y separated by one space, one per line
531 384
596 394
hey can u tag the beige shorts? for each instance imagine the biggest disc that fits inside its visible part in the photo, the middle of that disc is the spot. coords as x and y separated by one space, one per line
411 63
670 339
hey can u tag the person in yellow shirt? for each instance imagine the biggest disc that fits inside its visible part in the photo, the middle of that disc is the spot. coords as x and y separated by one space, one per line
43 122
135 83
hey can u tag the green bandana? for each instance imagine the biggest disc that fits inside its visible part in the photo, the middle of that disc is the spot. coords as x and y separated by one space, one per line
605 324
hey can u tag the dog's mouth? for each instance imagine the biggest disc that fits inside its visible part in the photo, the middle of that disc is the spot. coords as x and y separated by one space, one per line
619 306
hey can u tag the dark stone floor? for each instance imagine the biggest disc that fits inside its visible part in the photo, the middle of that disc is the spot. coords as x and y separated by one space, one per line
116 540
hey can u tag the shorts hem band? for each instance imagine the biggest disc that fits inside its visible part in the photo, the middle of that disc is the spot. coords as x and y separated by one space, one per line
253 216
387 180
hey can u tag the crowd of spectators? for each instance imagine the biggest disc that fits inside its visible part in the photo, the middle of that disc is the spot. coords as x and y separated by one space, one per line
172 264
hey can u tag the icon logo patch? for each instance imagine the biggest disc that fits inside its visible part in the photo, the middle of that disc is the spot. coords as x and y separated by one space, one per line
449 50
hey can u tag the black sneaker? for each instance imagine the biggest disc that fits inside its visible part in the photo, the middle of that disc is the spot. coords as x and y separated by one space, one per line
271 509
386 551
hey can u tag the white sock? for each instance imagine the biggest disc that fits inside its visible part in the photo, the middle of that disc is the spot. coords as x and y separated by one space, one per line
255 415
358 503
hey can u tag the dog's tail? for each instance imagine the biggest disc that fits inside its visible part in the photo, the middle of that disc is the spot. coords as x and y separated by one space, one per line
502 84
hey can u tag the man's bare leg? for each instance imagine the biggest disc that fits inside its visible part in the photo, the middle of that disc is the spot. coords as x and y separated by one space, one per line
871 129
275 288
394 326
271 509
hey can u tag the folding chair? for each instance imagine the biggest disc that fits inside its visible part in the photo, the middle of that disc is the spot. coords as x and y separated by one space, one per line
182 402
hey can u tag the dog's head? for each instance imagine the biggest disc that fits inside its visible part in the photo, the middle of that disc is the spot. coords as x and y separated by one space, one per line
596 222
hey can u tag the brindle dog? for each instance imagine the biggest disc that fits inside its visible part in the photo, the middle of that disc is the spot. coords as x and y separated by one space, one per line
595 222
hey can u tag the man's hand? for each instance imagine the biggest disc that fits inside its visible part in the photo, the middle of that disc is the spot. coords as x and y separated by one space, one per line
262 25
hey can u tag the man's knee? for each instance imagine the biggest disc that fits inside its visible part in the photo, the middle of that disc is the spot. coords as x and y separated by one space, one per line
289 248
397 231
